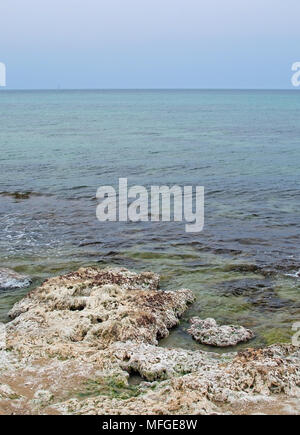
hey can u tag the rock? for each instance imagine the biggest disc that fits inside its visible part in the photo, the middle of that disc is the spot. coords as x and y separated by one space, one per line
258 292
42 397
156 363
77 341
199 383
10 279
6 391
209 332
96 308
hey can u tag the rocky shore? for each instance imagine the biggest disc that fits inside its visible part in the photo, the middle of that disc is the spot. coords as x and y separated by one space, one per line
87 343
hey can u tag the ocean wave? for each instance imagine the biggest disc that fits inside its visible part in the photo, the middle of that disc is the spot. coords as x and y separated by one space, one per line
294 275
10 279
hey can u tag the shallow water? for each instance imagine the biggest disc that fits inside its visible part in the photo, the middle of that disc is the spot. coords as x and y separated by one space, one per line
57 148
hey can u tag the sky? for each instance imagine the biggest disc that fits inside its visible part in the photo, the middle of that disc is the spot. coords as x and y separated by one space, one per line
121 44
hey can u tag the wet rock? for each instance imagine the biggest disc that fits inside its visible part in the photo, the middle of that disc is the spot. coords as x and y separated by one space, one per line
76 340
209 332
246 287
96 308
258 292
10 279
242 267
17 195
267 269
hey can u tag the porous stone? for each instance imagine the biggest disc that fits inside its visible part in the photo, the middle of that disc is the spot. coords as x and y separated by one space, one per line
76 343
210 333
96 308
6 391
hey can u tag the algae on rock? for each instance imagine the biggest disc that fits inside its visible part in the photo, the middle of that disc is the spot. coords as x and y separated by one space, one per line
77 340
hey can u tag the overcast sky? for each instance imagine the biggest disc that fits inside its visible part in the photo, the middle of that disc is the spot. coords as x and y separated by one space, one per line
149 43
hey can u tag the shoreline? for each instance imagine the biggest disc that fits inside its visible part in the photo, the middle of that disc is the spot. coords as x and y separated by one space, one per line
100 328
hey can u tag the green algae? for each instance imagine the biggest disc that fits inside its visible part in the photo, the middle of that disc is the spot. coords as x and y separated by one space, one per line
111 387
277 335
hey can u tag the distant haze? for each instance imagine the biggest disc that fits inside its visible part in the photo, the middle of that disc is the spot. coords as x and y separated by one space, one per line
149 43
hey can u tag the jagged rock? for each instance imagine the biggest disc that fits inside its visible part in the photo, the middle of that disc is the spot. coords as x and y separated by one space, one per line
96 308
209 332
157 363
9 279
42 397
76 341
6 392
183 382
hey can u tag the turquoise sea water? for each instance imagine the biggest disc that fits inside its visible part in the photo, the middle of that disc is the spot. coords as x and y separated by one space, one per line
58 147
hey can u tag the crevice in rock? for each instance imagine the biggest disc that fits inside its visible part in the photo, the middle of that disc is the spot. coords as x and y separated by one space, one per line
135 377
79 307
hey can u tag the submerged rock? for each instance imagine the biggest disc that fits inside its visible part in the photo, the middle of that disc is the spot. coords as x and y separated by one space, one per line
9 279
77 340
258 292
209 332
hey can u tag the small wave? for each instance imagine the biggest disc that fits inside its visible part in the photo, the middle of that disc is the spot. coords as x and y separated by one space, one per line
294 275
14 283
12 280
78 187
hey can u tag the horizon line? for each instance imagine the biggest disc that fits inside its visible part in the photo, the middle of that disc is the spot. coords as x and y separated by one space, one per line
148 89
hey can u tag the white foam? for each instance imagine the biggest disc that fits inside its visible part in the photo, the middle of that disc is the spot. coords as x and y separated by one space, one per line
14 283
10 279
294 275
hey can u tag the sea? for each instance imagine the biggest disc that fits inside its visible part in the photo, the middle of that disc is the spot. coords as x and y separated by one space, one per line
58 147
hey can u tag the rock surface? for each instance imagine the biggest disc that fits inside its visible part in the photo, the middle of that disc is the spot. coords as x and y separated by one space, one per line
9 279
96 308
86 343
209 332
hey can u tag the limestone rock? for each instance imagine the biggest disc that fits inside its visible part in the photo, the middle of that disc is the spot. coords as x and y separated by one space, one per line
6 391
96 308
77 342
209 332
183 382
157 363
